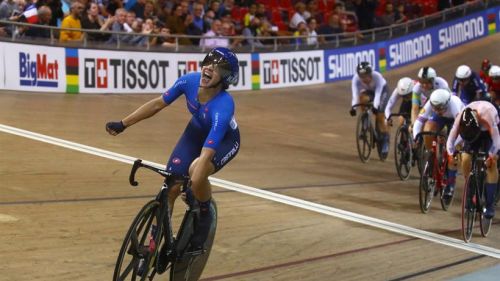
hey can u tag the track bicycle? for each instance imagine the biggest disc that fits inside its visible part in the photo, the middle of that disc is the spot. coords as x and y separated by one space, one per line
139 260
434 177
403 147
474 198
367 137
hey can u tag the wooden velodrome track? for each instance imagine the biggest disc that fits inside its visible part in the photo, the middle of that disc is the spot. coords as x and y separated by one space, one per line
64 213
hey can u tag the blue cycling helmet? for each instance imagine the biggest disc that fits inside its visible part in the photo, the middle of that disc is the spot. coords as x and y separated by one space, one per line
226 62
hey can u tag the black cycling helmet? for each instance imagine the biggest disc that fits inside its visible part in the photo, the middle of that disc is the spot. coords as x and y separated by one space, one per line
469 125
364 68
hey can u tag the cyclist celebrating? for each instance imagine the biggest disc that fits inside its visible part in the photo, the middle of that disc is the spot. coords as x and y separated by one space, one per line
369 85
403 90
211 138
441 110
477 125
428 81
468 85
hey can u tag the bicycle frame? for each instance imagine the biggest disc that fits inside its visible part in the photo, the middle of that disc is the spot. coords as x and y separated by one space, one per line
439 165
168 251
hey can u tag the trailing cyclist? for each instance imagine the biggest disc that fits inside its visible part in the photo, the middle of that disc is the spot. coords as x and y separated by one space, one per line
484 71
428 81
477 125
441 110
494 84
403 91
211 138
368 86
468 86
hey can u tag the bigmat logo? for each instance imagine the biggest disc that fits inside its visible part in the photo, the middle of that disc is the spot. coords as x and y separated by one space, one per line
37 70
125 73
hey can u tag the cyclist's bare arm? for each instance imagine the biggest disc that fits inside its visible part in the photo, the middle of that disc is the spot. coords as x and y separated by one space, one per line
145 111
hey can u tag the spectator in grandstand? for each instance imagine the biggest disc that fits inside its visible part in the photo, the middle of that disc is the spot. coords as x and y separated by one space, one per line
250 14
348 19
333 26
225 8
44 16
298 16
93 20
365 12
215 6
389 16
11 9
251 31
312 24
73 20
138 8
129 21
301 33
209 16
312 11
198 25
57 12
112 6
150 10
267 30
164 38
262 13
212 38
177 23
401 15
119 26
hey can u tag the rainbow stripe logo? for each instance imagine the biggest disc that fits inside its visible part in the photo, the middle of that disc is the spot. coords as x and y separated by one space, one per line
255 71
382 61
72 85
492 25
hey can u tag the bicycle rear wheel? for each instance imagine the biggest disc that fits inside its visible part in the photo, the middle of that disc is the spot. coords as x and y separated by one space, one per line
188 266
468 208
427 186
136 246
402 152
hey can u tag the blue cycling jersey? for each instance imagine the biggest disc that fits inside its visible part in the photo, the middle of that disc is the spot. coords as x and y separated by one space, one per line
474 90
214 118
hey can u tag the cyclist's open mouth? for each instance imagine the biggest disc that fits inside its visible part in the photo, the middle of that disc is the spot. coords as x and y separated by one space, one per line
206 77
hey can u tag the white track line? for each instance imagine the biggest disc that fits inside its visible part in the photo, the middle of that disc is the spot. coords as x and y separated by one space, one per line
334 212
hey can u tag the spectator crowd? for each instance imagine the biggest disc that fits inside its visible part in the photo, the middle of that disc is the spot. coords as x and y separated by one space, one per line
212 22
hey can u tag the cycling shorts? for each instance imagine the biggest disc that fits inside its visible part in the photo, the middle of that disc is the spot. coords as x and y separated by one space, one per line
189 147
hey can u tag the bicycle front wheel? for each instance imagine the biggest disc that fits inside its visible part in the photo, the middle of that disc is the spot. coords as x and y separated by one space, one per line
135 246
364 137
402 153
427 186
468 208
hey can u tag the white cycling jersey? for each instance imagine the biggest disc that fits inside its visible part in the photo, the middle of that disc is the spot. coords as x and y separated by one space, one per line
376 85
455 106
488 121
420 96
